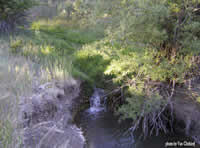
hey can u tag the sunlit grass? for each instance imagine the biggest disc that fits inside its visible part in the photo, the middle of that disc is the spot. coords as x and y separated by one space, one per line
18 76
198 99
56 45
14 81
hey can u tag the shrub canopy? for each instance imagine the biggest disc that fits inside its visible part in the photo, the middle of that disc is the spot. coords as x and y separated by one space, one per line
12 13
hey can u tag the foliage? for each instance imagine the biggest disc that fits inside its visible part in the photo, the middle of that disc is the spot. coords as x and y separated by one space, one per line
146 46
58 43
15 46
151 41
12 13
152 46
91 62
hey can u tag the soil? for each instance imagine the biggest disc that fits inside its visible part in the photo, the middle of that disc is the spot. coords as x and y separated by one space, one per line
187 112
47 117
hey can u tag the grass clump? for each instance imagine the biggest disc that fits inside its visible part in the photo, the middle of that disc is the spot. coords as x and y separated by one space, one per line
15 46
6 133
14 82
50 44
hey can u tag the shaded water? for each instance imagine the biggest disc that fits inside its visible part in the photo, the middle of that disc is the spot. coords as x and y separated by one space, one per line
102 129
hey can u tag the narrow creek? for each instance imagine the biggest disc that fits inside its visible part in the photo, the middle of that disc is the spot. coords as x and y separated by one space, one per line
102 129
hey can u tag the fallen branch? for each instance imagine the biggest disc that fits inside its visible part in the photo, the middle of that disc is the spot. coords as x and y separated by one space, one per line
156 120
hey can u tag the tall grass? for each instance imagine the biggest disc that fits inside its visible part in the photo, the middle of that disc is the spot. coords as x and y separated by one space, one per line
18 77
14 81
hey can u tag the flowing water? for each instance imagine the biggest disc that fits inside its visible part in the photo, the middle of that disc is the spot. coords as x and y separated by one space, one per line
102 129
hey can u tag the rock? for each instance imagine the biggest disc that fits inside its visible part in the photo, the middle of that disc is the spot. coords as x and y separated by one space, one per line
71 89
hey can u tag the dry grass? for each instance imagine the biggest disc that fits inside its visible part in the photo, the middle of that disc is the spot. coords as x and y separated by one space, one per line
15 81
18 77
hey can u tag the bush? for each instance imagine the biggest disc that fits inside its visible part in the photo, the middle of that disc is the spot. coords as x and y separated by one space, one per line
153 46
91 63
13 13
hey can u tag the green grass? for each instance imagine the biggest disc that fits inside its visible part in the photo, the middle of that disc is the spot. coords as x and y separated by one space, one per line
6 131
91 62
52 44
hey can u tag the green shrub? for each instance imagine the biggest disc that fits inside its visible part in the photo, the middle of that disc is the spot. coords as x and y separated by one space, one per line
13 12
149 42
91 62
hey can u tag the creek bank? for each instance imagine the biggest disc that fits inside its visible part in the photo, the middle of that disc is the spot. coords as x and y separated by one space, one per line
47 116
102 129
187 112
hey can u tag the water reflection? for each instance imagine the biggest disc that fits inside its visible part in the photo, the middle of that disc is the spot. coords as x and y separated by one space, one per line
102 129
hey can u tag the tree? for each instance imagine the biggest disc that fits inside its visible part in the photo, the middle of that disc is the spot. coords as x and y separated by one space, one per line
13 13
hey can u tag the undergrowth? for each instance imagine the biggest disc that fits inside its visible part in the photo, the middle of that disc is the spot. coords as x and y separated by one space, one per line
50 43
145 57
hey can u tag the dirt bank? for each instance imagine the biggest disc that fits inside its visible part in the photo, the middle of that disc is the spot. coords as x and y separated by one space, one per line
47 117
187 112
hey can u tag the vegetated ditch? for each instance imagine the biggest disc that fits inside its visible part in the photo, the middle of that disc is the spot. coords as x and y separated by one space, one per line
101 128
73 115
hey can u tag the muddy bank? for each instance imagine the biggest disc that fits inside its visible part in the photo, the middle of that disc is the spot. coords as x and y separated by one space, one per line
186 110
47 116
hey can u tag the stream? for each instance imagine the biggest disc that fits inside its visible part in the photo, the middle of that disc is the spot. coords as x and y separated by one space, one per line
102 129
